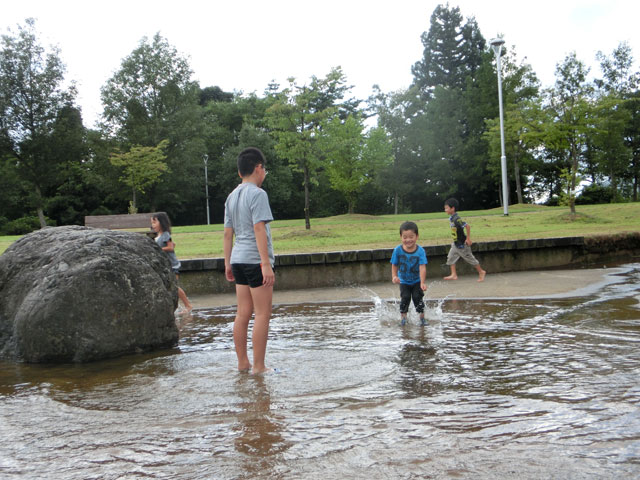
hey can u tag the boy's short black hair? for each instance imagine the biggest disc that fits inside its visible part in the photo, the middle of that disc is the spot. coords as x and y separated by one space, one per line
452 202
248 159
409 226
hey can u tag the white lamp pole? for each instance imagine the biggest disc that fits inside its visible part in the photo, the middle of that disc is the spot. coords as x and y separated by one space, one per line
206 184
496 44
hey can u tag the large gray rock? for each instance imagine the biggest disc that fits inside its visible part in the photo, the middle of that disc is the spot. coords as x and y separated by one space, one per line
77 294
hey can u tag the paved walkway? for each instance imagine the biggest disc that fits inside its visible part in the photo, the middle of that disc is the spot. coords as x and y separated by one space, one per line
546 284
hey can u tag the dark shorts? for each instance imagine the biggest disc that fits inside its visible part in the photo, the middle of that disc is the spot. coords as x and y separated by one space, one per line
247 274
408 293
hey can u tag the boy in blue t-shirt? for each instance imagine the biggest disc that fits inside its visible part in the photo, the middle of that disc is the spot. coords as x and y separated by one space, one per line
409 269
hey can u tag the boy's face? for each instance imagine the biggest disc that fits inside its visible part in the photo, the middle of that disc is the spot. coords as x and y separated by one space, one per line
409 240
262 173
449 210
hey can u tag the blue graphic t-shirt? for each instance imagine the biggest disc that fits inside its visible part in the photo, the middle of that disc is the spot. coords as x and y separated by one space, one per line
409 264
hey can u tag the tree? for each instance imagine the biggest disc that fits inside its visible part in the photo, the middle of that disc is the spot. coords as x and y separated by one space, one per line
443 62
393 117
619 101
152 98
142 167
454 86
353 159
570 108
296 119
31 99
522 125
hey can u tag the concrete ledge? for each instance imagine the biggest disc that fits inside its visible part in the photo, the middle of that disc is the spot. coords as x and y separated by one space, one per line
355 267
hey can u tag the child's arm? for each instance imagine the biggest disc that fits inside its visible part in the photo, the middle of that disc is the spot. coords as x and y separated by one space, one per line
468 241
394 274
227 246
169 247
423 277
260 230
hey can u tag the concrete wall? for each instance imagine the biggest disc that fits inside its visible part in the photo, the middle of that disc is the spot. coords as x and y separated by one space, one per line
313 270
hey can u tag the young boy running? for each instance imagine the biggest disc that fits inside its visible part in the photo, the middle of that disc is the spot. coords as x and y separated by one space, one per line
249 262
409 269
461 246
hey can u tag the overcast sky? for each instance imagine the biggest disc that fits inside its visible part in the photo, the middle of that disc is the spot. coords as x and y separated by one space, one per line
243 45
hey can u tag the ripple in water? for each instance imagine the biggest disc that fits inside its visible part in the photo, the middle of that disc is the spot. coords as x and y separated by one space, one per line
513 388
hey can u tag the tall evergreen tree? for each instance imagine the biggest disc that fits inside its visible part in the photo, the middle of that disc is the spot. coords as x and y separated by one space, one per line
32 97
454 85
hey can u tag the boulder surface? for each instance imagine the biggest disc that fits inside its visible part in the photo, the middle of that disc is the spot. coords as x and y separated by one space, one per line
78 294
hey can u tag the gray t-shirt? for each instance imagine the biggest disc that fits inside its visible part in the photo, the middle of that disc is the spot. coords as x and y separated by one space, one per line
162 241
247 205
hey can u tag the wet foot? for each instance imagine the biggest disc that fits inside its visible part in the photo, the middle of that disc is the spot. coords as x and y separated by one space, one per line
481 276
265 371
244 367
451 277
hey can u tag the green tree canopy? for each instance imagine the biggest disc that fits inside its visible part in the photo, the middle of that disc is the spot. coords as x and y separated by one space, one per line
32 96
142 167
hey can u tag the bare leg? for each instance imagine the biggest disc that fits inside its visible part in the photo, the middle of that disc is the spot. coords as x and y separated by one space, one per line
262 300
241 325
481 273
454 274
185 300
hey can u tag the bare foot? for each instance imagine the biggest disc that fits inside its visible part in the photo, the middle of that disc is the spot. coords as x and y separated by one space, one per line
244 368
481 276
263 371
451 277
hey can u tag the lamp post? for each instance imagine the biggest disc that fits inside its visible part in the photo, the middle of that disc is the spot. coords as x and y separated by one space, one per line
496 44
206 184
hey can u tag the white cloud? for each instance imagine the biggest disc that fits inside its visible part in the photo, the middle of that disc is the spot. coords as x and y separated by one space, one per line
243 45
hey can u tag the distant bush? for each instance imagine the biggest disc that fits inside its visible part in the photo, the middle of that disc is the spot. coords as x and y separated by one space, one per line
24 225
594 195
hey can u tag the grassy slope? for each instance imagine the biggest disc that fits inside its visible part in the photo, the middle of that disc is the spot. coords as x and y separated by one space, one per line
358 232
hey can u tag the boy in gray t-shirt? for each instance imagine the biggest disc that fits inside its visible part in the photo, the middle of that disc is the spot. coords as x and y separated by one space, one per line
249 261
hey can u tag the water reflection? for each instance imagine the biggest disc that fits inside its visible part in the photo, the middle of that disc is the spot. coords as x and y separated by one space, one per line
538 388
259 428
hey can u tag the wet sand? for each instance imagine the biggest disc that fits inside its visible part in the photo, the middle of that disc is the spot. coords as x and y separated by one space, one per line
529 284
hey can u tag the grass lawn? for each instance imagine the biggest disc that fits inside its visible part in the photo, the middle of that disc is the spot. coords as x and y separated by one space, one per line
362 232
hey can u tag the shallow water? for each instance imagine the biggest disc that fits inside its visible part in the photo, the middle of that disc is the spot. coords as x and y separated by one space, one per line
537 388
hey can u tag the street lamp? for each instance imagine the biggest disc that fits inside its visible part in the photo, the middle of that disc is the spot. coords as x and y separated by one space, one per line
206 184
496 44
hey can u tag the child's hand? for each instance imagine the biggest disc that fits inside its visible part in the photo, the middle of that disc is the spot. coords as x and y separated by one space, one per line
268 277
423 286
228 273
395 279
468 241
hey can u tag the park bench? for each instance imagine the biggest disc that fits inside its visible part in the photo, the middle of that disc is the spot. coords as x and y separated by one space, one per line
133 221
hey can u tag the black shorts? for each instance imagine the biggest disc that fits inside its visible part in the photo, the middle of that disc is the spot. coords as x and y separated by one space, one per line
247 274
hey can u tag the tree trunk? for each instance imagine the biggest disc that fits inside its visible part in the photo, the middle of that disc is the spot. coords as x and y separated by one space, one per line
572 182
395 202
516 172
39 209
307 220
133 207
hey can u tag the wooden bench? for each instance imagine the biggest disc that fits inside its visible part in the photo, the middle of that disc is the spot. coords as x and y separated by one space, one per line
134 221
